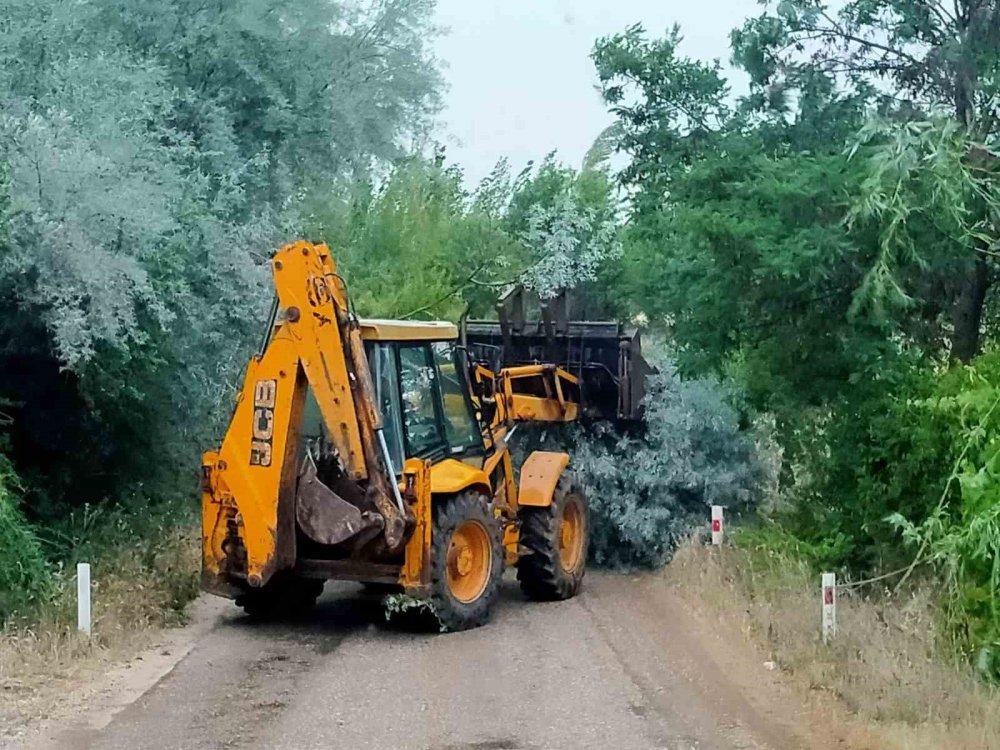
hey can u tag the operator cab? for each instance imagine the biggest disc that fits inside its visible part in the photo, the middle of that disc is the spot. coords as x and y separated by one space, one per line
419 378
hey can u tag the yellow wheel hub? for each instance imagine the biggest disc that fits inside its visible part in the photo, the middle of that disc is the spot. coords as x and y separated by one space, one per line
470 561
571 533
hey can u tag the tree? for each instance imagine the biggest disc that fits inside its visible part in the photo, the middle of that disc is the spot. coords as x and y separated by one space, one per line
420 245
667 106
417 245
568 223
323 90
809 241
917 56
737 238
570 245
154 154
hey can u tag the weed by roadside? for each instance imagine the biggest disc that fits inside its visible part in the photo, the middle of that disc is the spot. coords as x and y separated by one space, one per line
890 664
139 583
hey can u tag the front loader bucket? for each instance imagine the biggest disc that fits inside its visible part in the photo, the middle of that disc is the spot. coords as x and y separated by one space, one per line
606 356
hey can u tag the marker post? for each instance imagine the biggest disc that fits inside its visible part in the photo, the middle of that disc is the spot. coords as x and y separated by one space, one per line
717 525
83 598
829 619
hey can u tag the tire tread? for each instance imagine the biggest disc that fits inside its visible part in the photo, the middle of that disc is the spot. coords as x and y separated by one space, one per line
540 573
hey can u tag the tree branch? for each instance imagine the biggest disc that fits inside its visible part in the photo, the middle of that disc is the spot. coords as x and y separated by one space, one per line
838 32
937 9
458 288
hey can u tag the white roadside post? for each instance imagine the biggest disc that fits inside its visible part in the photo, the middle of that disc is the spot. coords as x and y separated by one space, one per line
829 606
83 598
716 525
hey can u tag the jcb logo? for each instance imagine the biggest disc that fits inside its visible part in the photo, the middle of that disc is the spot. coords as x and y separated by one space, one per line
264 395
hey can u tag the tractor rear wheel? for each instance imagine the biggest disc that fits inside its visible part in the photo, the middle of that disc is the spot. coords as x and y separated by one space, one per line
557 538
466 561
283 598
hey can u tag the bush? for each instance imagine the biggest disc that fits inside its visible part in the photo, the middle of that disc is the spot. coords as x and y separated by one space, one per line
908 467
960 533
871 452
650 487
24 574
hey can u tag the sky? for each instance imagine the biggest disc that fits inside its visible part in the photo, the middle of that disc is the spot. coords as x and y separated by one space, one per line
521 82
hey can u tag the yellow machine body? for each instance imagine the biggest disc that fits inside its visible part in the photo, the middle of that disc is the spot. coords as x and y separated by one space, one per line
270 507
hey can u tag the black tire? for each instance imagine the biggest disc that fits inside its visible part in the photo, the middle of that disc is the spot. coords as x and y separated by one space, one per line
283 598
540 571
452 613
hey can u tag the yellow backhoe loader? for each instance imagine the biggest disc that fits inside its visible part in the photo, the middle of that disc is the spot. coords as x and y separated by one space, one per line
376 451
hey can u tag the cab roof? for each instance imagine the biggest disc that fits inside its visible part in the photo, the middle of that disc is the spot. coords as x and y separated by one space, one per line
376 329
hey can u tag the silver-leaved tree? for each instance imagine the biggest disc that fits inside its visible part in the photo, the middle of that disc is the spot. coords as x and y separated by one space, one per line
153 153
652 483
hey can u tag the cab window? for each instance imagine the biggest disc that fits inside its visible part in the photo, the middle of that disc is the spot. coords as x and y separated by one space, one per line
382 363
460 425
421 412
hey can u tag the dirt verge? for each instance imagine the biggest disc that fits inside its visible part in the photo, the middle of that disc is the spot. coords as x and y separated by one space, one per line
86 692
885 683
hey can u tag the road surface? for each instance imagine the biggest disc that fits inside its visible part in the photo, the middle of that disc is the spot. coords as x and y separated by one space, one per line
620 667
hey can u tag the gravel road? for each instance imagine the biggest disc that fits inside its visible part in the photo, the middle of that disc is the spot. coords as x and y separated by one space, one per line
620 667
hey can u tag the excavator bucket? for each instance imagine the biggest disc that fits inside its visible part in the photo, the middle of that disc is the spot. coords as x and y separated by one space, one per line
605 356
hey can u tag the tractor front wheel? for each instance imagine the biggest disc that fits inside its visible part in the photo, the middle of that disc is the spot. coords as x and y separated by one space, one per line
467 561
556 538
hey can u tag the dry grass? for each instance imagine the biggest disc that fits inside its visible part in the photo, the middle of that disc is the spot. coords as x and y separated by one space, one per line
887 666
135 590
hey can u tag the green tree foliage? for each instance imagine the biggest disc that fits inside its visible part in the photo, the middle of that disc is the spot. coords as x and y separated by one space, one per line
322 90
24 574
666 104
955 426
915 57
569 243
416 246
738 238
931 193
154 154
811 241
568 223
420 245
870 454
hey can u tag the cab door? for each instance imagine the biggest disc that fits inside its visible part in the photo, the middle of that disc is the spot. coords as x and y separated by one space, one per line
383 361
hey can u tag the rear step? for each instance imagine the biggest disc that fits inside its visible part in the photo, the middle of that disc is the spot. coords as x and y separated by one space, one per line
606 356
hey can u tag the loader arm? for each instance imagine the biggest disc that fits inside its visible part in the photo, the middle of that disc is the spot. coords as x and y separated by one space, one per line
604 356
251 480
527 393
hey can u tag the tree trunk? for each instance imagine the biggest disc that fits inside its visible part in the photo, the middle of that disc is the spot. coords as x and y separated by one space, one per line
968 311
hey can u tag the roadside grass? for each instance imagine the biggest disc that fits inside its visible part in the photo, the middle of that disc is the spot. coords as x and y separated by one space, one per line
139 584
889 666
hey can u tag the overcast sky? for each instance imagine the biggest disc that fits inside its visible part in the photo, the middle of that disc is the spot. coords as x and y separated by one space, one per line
521 79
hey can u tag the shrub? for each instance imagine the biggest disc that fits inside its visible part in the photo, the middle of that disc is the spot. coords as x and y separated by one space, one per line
906 467
649 487
24 574
960 535
873 452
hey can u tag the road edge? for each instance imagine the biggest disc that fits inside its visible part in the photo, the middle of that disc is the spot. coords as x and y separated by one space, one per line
92 705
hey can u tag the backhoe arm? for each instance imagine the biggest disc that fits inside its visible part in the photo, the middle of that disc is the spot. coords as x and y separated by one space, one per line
251 480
